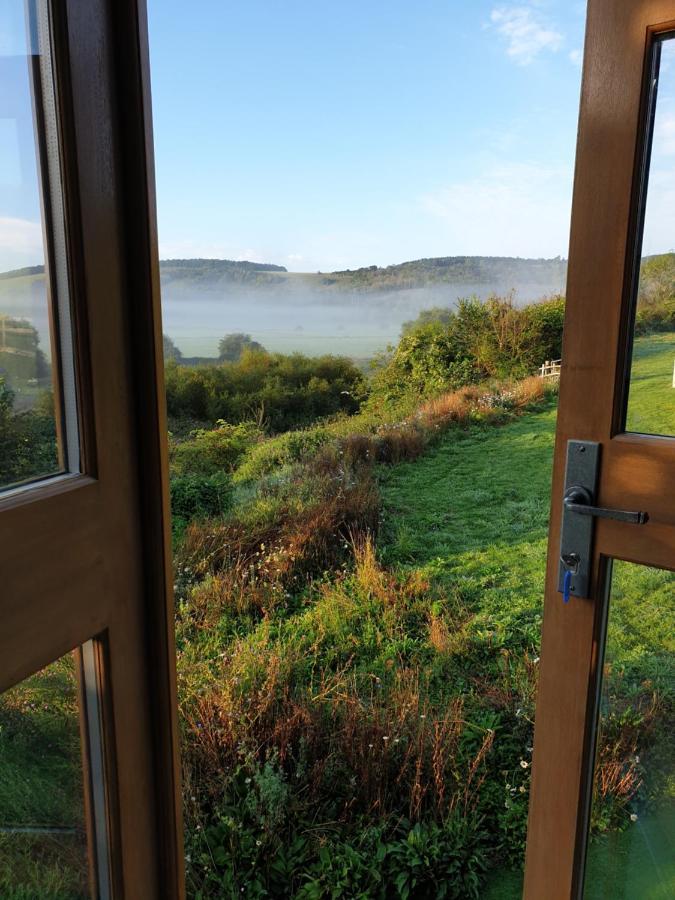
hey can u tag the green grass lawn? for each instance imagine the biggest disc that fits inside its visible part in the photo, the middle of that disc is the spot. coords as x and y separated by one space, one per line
41 788
651 401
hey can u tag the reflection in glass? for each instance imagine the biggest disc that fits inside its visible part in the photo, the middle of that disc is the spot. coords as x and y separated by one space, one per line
651 398
31 445
631 854
43 845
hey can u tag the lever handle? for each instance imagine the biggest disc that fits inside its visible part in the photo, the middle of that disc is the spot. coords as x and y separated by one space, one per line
578 500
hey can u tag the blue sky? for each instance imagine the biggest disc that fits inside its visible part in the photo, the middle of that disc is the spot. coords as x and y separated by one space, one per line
326 135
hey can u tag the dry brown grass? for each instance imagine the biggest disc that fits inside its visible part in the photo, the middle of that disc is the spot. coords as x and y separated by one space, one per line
529 390
456 406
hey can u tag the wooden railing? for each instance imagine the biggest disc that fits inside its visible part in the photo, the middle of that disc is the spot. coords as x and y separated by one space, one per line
550 369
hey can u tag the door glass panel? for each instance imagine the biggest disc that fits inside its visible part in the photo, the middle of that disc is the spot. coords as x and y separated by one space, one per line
43 843
38 433
651 396
631 851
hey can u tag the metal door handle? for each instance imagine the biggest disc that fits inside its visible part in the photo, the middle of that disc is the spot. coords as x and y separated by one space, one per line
579 514
578 500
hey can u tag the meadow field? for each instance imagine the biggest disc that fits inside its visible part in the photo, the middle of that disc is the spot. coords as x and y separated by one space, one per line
359 607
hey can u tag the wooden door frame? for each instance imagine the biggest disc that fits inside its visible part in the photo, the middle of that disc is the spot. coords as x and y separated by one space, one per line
88 555
637 471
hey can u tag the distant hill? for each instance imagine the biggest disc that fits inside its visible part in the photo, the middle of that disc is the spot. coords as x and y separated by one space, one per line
452 270
181 277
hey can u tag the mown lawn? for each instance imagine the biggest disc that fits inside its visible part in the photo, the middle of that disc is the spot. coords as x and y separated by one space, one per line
651 401
493 538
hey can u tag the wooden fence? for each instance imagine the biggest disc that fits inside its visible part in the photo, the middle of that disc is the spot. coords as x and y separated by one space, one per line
550 369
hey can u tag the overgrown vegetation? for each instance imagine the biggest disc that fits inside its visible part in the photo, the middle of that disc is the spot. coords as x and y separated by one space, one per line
27 438
359 570
278 392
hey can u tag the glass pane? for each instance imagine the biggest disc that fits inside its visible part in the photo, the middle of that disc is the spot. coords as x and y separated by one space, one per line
33 366
631 853
43 845
651 397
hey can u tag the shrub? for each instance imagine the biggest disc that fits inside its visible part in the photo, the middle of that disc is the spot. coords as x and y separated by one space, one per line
195 497
280 392
28 445
283 450
214 450
480 339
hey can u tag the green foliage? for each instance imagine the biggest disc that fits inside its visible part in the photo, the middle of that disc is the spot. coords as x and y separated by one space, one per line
195 497
435 315
656 295
171 351
211 451
282 450
281 392
27 439
446 349
246 848
231 347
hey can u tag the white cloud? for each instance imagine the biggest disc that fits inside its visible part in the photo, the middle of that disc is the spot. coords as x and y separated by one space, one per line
517 209
576 57
526 31
20 243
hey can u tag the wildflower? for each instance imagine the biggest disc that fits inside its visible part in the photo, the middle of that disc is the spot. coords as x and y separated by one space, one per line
385 738
524 764
258 843
535 660
247 781
633 817
522 789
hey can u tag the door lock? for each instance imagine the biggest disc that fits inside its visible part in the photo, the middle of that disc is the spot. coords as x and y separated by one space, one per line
579 514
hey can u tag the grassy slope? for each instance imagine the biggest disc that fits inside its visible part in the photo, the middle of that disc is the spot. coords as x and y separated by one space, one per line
476 508
651 404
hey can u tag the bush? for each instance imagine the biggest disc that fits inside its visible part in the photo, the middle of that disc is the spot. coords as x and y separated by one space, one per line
278 391
479 340
282 450
28 445
214 450
195 497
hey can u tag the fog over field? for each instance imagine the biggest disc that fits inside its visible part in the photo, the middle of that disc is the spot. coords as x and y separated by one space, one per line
354 313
